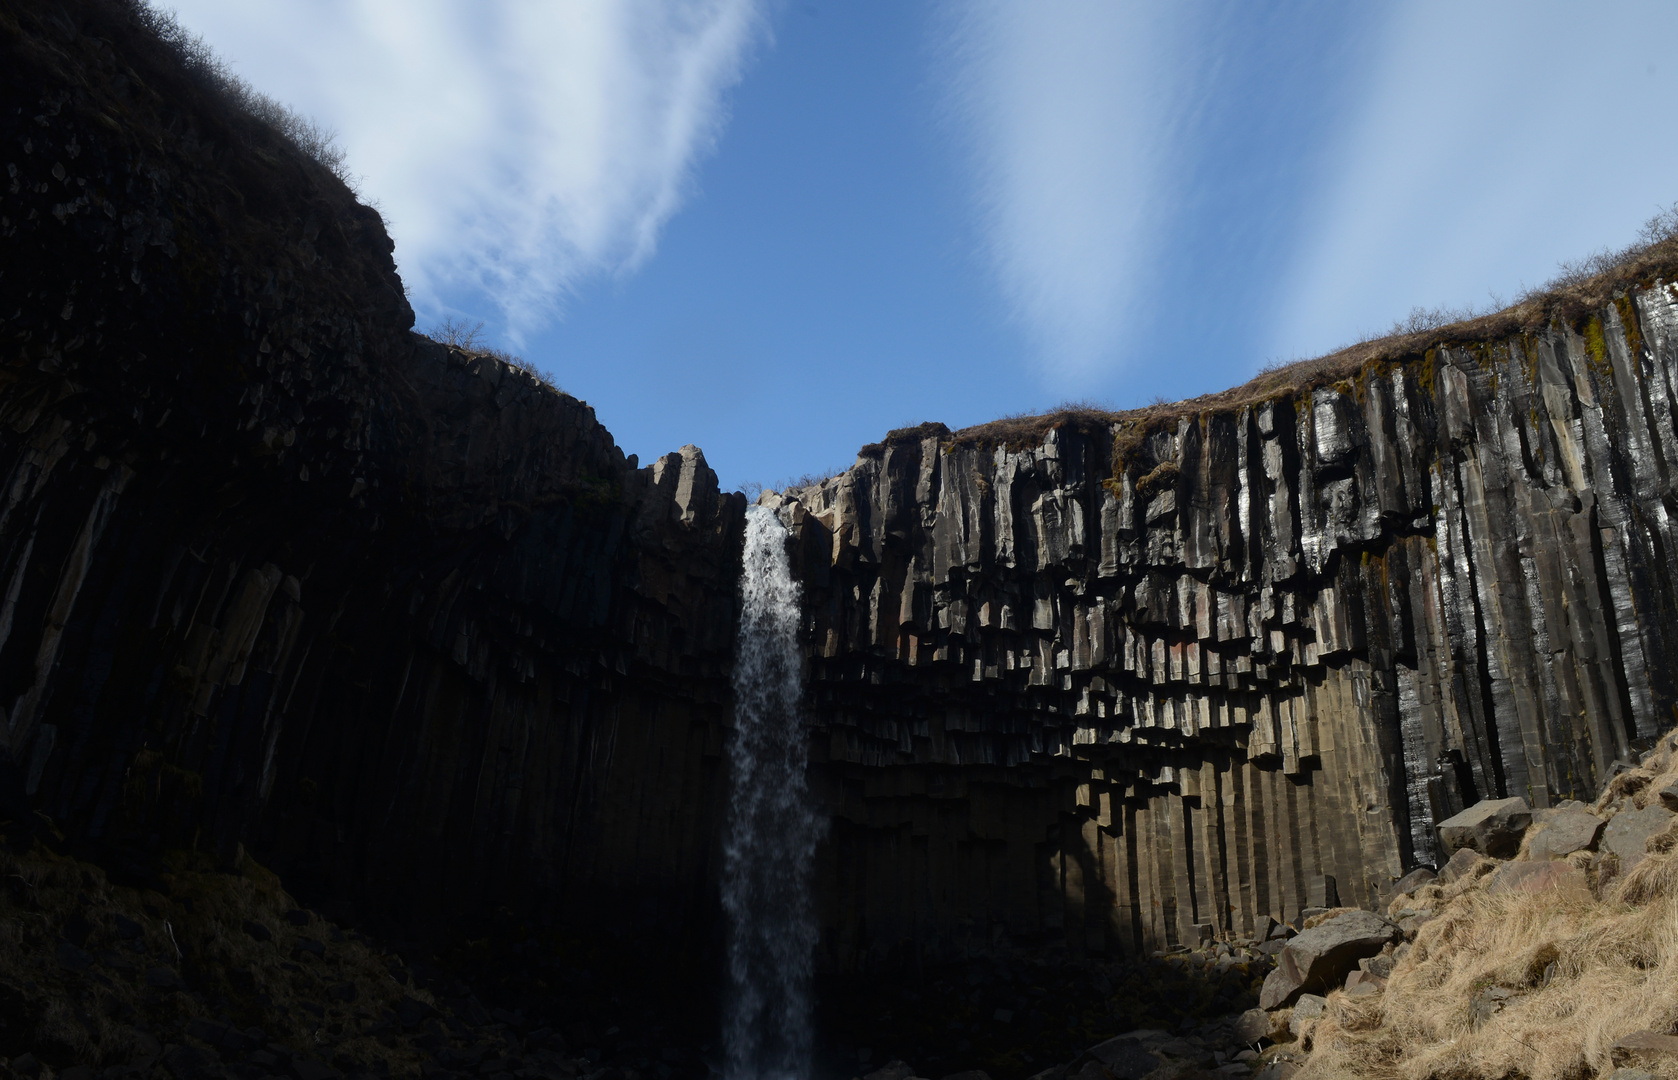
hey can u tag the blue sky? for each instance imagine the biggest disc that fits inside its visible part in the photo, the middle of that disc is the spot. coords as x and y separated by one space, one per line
778 228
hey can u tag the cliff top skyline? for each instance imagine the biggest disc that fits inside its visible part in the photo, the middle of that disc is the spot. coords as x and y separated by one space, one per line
777 230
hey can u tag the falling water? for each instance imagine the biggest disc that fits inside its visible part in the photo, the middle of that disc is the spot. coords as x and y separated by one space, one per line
771 829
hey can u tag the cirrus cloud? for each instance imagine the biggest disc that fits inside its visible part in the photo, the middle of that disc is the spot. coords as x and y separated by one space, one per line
516 149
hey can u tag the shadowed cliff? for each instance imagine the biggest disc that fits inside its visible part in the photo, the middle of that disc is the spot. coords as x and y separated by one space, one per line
277 573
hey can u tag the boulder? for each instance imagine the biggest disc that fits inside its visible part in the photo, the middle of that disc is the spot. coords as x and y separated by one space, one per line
1319 957
1310 1007
1538 877
1669 796
1361 977
1415 879
1380 966
1123 1058
1491 826
1648 1046
1630 830
1562 832
1461 863
1256 1025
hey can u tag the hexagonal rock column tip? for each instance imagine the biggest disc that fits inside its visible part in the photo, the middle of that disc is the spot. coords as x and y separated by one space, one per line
1319 958
1491 826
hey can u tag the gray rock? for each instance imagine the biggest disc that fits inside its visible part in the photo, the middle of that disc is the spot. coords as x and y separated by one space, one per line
1310 1007
1630 830
1491 827
1537 877
1644 1046
1123 1058
1252 1026
1488 1003
1381 966
1631 1074
1562 832
1669 796
1460 863
1322 891
1320 957
1415 879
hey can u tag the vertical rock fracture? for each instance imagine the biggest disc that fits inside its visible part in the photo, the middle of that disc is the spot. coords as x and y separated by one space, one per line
770 846
1128 681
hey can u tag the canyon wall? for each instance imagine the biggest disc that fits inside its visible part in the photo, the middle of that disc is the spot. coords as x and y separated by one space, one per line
278 575
1119 682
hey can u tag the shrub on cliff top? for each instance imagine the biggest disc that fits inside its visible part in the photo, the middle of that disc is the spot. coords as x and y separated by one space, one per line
468 338
212 76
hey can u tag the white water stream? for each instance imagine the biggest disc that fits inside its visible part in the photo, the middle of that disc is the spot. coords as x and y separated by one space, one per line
771 839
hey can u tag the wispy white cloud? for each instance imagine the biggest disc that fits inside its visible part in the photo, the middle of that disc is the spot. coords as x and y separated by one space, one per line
1492 140
1068 109
517 149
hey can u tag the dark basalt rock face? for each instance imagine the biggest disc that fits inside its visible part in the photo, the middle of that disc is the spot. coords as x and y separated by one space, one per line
407 626
276 572
1120 687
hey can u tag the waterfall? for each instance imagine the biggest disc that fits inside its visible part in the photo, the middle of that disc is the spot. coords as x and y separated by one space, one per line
771 839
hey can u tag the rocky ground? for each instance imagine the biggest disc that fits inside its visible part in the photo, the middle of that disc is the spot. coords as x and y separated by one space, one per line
1030 1015
1546 947
205 972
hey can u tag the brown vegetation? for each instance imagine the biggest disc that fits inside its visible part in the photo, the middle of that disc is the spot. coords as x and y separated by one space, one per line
1514 984
457 334
1580 287
215 80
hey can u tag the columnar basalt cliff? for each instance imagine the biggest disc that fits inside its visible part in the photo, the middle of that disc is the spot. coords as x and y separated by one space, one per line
277 574
1124 684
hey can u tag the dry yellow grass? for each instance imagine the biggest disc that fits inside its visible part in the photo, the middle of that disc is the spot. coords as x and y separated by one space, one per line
1585 967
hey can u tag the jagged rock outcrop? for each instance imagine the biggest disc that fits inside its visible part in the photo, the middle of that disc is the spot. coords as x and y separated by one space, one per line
276 572
1125 683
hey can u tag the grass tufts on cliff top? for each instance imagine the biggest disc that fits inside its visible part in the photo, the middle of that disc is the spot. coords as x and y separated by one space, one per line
1585 966
1580 288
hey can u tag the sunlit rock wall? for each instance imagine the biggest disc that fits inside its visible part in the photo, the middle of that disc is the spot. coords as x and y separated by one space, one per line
1246 671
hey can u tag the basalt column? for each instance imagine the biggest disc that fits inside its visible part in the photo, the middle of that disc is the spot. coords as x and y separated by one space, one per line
1124 684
